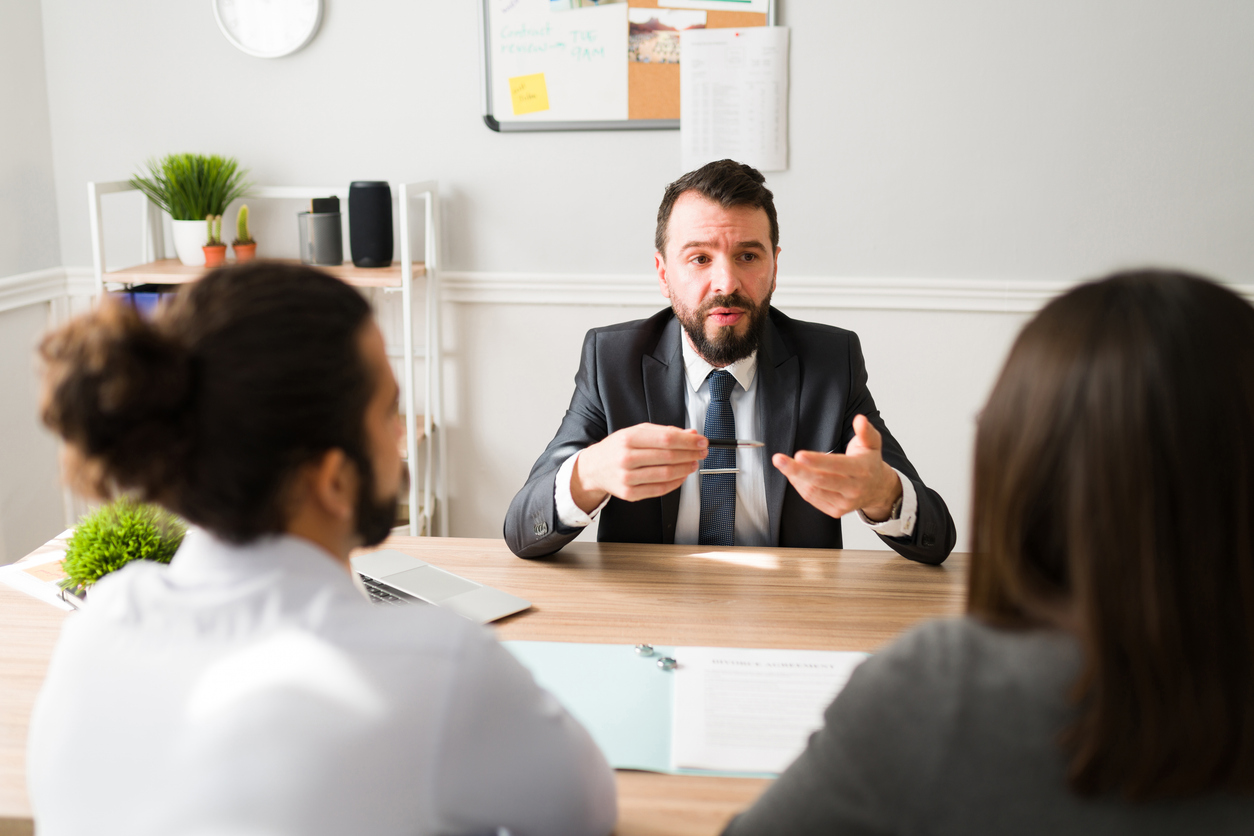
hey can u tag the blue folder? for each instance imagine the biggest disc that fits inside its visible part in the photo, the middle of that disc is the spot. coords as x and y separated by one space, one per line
621 698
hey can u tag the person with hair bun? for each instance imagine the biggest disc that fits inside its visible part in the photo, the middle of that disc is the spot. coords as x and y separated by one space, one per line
249 686
1103 678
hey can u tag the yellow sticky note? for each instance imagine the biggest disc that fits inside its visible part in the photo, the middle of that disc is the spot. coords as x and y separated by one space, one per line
529 92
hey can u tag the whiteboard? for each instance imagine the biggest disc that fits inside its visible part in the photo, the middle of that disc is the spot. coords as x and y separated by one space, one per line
546 70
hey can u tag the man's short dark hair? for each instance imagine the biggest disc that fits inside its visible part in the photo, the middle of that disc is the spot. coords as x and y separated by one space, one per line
727 183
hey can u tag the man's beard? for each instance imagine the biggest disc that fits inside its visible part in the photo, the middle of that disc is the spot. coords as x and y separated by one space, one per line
726 346
375 517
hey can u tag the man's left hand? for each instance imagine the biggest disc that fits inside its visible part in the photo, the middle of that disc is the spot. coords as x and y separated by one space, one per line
838 484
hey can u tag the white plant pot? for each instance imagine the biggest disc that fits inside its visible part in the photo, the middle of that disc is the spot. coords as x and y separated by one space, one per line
189 237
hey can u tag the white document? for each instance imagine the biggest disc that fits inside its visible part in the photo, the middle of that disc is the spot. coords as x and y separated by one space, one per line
733 96
749 710
40 573
567 5
759 6
572 66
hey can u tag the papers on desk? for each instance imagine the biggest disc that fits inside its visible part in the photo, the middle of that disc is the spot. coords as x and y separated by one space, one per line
721 711
40 573
733 96
740 710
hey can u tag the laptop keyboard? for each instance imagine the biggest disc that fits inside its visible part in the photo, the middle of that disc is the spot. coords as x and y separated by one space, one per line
380 594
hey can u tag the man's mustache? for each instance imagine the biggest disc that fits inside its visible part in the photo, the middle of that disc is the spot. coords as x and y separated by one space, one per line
734 300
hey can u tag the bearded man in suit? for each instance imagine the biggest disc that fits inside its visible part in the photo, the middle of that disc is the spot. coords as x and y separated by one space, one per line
648 440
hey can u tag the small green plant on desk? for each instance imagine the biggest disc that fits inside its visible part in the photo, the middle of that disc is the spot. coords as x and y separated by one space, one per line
114 535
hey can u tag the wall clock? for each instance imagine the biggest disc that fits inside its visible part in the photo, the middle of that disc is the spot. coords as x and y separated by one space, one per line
268 28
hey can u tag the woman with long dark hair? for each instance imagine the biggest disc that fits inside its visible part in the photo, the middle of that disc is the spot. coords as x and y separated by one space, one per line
1103 679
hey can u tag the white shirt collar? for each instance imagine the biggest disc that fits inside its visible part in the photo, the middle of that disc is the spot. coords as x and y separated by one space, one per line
698 369
203 555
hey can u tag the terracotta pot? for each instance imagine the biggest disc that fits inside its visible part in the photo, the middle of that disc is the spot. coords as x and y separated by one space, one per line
244 252
215 254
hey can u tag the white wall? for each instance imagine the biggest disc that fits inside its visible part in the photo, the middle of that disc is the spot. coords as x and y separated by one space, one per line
30 501
976 140
29 232
968 139
1020 139
31 510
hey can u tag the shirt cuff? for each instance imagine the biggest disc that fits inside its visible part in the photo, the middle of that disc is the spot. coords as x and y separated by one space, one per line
570 515
900 524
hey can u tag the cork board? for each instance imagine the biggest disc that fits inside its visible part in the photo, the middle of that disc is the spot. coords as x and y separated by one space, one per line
653 89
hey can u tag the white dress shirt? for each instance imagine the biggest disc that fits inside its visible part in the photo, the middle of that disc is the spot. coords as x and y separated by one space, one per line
253 690
752 519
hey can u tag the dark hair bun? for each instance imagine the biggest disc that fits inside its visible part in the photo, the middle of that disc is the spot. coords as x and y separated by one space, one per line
119 391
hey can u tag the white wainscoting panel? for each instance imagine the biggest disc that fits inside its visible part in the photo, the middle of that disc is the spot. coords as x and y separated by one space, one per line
32 288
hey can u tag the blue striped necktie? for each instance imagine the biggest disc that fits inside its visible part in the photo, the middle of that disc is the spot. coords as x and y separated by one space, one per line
718 490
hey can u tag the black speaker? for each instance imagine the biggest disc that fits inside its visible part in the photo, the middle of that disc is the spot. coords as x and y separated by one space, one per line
370 223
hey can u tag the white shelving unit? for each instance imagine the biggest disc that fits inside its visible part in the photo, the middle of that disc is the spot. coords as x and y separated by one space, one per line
428 504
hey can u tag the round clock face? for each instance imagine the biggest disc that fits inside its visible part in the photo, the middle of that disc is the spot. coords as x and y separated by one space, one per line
268 28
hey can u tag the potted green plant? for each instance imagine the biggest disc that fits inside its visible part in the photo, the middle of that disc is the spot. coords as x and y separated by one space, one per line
114 535
189 187
215 250
244 246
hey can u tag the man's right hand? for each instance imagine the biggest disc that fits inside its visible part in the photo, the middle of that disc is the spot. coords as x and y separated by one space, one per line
636 463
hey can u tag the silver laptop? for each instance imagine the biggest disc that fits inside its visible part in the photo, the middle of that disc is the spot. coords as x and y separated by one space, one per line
393 577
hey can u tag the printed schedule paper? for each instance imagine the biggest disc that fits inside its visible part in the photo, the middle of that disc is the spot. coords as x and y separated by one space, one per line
748 710
733 99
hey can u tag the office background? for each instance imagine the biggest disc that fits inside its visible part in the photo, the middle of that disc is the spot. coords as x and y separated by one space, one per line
952 166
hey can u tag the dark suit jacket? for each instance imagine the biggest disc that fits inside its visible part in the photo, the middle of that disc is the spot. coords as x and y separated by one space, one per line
813 382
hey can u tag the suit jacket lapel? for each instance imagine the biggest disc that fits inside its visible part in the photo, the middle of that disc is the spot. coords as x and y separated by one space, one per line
778 394
664 396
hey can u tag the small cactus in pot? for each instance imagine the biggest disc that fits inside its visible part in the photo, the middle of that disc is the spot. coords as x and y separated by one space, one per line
215 250
244 246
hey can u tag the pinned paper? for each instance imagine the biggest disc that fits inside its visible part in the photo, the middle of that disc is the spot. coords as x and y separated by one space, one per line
653 34
759 6
529 93
567 5
733 97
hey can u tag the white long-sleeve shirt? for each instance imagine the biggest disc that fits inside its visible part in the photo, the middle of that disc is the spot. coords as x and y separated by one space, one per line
253 690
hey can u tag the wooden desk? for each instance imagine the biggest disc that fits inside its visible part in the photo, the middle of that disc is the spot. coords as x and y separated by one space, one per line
618 594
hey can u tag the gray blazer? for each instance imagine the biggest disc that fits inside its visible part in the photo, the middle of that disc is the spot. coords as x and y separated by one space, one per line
813 382
954 729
